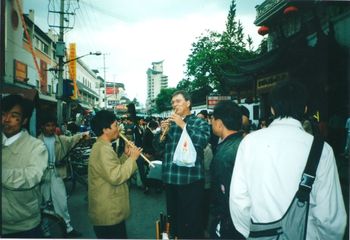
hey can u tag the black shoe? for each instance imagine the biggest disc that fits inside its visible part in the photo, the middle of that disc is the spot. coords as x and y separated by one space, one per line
74 234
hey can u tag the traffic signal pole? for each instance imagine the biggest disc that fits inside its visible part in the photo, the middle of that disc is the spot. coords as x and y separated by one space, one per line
60 69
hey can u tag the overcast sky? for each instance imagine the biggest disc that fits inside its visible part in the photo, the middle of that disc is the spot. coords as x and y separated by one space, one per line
135 33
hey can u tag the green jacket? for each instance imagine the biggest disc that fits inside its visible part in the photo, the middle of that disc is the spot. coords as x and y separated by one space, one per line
108 190
23 165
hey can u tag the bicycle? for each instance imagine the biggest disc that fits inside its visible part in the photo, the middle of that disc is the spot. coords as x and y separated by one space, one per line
76 161
52 225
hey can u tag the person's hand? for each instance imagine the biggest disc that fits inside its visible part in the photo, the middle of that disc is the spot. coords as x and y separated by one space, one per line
132 151
164 125
86 136
135 152
178 120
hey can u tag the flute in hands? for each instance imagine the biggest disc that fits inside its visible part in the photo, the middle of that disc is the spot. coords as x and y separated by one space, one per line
141 154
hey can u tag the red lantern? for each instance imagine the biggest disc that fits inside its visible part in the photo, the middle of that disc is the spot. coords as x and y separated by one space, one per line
263 30
290 9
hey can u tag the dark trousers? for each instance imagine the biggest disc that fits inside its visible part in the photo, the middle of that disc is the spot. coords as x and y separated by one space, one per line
112 231
142 170
185 208
32 233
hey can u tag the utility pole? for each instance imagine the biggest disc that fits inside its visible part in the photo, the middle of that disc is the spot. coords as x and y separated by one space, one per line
60 69
60 53
104 77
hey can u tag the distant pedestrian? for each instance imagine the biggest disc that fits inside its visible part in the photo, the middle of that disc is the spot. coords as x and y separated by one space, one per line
108 190
245 120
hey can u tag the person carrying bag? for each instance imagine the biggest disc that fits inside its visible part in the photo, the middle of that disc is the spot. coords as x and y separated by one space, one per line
185 154
293 224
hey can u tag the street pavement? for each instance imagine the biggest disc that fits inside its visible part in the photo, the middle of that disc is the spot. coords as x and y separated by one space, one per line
145 210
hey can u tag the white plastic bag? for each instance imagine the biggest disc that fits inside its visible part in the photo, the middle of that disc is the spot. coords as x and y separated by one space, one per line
185 154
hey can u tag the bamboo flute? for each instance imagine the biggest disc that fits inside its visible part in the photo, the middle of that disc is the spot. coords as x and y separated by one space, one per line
143 156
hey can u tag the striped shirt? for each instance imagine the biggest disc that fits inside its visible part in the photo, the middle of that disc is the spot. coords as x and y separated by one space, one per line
199 132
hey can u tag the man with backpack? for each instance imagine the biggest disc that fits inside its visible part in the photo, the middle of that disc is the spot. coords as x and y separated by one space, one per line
268 172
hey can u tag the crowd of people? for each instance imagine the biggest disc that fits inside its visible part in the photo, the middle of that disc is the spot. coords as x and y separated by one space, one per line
219 176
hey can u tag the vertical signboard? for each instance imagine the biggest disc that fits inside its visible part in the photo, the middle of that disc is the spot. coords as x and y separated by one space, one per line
43 80
73 67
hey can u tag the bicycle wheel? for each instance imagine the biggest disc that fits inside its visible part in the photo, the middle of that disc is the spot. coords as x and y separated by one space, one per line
53 226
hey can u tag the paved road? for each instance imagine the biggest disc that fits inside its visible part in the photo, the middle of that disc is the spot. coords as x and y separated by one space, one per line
145 210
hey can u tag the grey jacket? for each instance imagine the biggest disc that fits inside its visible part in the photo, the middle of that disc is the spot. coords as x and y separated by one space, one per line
23 165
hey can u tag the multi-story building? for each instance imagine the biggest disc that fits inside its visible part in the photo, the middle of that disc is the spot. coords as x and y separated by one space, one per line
88 85
38 81
20 74
156 80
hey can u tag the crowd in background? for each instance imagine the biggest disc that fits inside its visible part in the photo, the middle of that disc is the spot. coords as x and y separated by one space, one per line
198 197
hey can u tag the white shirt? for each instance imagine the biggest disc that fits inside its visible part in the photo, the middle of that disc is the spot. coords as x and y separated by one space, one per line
8 141
50 145
266 176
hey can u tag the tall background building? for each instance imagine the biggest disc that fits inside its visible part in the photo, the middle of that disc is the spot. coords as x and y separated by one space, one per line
156 80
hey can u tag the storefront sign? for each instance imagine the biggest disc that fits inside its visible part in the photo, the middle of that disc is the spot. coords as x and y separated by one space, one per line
213 100
267 83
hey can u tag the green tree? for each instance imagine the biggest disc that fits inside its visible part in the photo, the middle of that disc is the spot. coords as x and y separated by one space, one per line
163 100
214 53
184 84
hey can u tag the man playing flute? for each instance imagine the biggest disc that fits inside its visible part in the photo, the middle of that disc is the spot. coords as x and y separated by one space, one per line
184 185
107 178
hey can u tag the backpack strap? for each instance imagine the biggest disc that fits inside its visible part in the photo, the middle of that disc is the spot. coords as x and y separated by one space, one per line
309 174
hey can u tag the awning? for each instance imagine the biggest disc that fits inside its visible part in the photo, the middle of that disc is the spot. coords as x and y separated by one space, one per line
47 98
86 106
28 93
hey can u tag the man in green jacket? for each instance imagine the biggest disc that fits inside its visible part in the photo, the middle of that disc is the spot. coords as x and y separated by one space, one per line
24 159
108 190
226 122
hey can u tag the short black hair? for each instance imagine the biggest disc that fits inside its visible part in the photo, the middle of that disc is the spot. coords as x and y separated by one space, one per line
8 102
244 110
204 113
153 124
102 119
289 99
229 113
47 118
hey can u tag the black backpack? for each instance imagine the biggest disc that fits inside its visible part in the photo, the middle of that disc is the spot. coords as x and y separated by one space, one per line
293 224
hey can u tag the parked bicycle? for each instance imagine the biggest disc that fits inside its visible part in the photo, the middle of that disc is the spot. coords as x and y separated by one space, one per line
76 161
